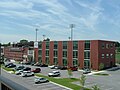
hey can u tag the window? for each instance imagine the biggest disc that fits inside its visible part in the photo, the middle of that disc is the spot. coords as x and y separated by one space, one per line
47 60
64 44
75 54
111 55
103 55
103 46
47 52
87 55
75 45
55 61
47 45
40 59
40 45
64 53
55 53
40 52
87 45
55 44
111 45
75 62
107 46
86 64
64 62
107 55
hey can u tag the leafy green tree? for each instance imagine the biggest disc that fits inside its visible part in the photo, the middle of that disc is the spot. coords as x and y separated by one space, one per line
101 66
82 81
70 73
23 41
95 87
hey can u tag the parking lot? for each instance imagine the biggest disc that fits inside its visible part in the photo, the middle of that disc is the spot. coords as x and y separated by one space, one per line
29 82
111 82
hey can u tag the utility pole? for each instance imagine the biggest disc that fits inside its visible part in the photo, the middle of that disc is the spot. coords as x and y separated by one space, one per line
71 28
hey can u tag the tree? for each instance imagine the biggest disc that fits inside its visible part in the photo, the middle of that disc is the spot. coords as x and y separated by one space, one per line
23 41
70 73
95 87
82 81
101 66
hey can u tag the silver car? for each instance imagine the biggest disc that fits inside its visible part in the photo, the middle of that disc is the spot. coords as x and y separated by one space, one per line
54 74
27 73
40 80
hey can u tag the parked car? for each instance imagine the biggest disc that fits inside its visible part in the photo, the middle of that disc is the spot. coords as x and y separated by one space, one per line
18 72
43 65
8 64
36 70
57 67
27 69
27 73
86 71
54 74
74 68
11 66
19 67
52 67
37 64
40 80
63 68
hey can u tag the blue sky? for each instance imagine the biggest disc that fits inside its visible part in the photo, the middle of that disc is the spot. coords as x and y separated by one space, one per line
93 19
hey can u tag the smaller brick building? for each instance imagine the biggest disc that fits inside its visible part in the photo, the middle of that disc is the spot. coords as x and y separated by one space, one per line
16 53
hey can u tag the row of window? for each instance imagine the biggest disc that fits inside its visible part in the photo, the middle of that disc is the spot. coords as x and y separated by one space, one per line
107 46
55 60
65 45
107 55
55 53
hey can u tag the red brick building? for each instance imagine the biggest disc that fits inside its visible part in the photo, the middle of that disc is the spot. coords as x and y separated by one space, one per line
81 53
16 53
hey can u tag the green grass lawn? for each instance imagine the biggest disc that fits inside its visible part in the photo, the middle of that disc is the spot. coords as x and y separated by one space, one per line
63 81
117 57
8 69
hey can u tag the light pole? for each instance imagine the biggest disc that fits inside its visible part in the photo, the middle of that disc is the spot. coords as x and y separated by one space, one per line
71 27
36 33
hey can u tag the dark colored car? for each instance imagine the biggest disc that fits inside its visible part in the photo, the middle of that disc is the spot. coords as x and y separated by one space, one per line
43 65
63 68
8 64
19 68
74 68
11 66
36 70
27 63
27 69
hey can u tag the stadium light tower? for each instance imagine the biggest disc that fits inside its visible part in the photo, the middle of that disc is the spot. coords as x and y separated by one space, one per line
71 28
36 34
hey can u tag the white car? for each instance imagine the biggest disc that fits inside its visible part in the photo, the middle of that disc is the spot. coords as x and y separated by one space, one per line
27 73
18 72
54 74
52 66
40 80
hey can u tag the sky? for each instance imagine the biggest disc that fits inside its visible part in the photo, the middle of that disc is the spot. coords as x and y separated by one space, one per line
92 19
